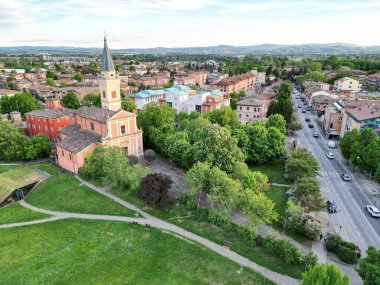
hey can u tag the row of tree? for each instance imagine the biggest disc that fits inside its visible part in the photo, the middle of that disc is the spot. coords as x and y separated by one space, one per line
362 150
23 102
15 145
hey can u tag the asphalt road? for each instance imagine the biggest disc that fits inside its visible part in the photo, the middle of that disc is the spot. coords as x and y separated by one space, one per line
352 220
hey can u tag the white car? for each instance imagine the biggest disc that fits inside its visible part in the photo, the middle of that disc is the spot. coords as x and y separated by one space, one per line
373 211
331 144
330 155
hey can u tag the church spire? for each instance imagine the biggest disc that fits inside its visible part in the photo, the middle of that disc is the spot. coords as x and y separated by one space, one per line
107 63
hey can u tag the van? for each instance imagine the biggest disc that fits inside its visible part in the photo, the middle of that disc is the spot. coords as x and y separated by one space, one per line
331 144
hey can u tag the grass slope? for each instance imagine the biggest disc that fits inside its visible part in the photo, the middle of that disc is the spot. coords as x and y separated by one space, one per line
4 168
105 252
15 213
213 233
66 194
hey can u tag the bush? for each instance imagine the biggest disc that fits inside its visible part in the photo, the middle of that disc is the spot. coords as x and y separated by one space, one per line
346 254
283 249
333 244
310 260
133 160
344 250
188 202
247 234
312 226
202 215
150 155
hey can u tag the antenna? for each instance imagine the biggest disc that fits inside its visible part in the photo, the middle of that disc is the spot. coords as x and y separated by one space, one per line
105 35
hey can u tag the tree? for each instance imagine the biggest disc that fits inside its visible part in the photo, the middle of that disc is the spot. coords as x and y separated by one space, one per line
301 164
128 105
371 89
276 143
92 99
295 126
309 193
150 155
12 141
325 274
70 101
50 82
312 226
215 145
242 139
224 116
277 121
258 151
369 267
23 102
37 146
152 115
51 74
78 76
346 143
154 189
377 175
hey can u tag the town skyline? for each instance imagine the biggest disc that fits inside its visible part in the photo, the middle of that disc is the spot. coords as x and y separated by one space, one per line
199 23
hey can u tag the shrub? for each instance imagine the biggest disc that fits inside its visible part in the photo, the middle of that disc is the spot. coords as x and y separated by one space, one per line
133 160
281 248
154 189
310 260
344 250
312 226
150 155
247 234
202 214
333 243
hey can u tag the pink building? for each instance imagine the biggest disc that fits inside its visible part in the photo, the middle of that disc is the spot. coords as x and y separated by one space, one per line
93 127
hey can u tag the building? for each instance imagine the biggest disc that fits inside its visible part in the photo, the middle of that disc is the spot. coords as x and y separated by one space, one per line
48 122
206 101
373 80
346 84
251 109
191 78
153 81
144 97
177 97
260 77
93 127
244 82
7 92
362 118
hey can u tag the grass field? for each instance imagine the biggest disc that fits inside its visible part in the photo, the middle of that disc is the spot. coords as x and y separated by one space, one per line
274 170
4 168
66 194
214 233
105 252
15 213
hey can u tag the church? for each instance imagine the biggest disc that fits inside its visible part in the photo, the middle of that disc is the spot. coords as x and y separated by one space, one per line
93 127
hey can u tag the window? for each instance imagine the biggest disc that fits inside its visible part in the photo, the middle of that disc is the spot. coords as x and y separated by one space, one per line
331 125
122 129
104 94
139 149
258 109
247 108
113 94
254 109
198 108
92 126
70 156
239 116
247 115
240 108
63 153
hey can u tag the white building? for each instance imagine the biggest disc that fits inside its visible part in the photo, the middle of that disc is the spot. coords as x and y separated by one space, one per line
177 97
147 96
346 84
260 77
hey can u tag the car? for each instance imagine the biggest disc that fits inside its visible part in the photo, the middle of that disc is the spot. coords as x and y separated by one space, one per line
345 177
331 207
307 108
331 144
310 126
373 211
299 106
316 135
303 111
305 103
297 97
307 120
330 155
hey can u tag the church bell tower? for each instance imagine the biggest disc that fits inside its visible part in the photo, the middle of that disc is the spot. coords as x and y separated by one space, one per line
109 83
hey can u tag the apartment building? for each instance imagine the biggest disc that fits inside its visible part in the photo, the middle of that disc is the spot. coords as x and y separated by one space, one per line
251 109
244 82
144 97
346 84
373 80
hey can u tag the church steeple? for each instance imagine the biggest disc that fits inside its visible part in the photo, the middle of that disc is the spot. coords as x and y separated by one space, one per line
109 83
107 63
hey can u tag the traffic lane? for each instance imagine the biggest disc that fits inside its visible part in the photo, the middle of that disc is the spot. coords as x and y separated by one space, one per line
332 165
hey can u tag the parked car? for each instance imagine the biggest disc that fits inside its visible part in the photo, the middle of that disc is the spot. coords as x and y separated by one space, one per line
373 211
299 106
305 103
345 177
316 135
331 207
330 155
307 108
331 144
310 126
307 120
303 111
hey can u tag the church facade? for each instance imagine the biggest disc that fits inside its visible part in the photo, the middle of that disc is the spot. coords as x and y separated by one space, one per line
93 127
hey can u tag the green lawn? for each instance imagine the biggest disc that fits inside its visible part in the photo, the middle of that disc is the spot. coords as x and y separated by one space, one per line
213 233
15 213
274 170
106 252
4 168
279 197
66 194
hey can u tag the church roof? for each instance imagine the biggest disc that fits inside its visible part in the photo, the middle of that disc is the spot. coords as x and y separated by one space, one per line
107 63
95 113
79 140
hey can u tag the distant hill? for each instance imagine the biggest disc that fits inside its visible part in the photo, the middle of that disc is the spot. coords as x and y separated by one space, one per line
263 49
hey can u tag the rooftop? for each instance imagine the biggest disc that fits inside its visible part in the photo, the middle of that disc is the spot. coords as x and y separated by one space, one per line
95 113
69 129
79 140
107 63
51 113
251 102
365 113
179 90
147 93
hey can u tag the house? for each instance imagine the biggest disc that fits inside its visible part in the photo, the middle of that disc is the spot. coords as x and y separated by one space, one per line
244 82
7 92
93 127
362 118
373 80
346 83
144 97
206 101
251 109
177 97
260 77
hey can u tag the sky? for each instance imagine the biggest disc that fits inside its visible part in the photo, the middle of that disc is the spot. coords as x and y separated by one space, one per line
187 23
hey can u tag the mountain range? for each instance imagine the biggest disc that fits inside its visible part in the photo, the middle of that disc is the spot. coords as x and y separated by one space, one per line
262 49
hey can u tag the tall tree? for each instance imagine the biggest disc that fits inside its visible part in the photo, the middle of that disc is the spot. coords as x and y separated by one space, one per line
369 267
70 101
128 105
346 143
92 99
277 121
12 141
325 274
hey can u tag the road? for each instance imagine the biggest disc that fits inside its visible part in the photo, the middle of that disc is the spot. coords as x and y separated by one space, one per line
352 220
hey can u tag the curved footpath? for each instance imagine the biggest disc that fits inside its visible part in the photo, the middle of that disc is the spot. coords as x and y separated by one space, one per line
157 223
